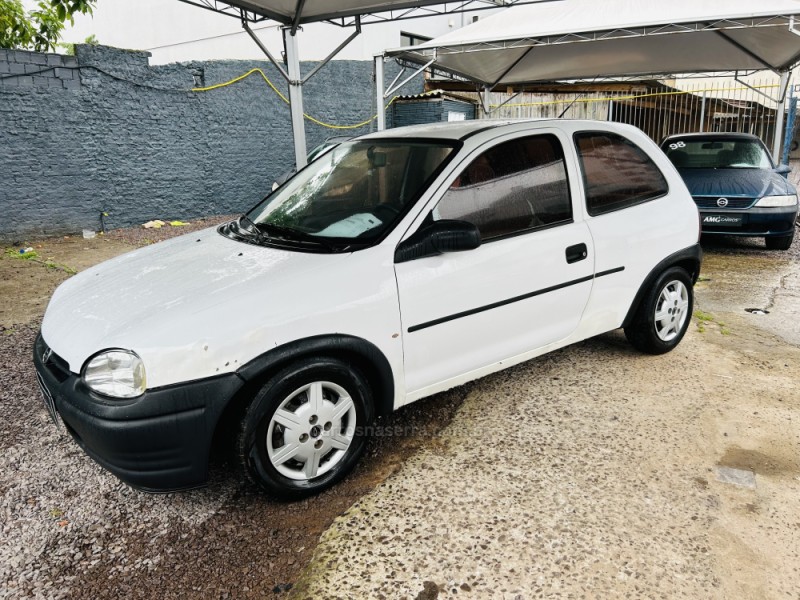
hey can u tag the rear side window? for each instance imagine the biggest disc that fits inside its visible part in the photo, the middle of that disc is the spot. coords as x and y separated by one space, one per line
616 172
514 187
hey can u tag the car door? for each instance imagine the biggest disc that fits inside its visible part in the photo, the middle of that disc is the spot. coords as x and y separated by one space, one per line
523 288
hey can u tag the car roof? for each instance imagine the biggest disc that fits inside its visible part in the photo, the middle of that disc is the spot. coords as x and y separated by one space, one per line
731 135
446 131
459 130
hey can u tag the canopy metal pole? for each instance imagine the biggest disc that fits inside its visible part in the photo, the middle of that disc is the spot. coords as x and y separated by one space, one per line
781 111
703 113
295 96
485 100
379 92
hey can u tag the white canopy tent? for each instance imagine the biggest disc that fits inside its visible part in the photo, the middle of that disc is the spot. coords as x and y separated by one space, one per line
591 40
345 13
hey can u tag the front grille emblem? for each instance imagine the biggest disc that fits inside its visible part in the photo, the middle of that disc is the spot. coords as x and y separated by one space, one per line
722 202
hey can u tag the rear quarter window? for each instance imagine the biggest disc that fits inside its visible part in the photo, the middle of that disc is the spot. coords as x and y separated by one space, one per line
616 172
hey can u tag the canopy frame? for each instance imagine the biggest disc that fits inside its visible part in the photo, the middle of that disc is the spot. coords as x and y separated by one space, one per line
520 44
399 10
255 11
718 26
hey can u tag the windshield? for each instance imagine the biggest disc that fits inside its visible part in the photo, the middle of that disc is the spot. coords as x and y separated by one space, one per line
354 193
322 148
708 153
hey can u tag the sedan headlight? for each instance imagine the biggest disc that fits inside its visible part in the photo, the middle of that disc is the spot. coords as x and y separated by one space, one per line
116 373
775 201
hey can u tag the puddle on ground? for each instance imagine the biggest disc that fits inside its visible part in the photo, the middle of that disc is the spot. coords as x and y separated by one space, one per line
755 461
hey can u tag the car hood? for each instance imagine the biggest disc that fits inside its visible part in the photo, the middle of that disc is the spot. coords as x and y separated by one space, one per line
749 183
176 294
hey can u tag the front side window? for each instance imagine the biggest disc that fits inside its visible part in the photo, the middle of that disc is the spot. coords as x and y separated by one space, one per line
616 172
714 153
353 194
513 187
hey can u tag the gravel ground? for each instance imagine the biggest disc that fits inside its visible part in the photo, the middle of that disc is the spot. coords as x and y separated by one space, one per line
139 236
71 530
593 471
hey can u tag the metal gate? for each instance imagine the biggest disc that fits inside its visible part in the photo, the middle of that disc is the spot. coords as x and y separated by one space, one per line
659 109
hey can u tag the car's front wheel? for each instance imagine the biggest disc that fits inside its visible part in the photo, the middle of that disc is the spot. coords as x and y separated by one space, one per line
783 242
664 314
306 428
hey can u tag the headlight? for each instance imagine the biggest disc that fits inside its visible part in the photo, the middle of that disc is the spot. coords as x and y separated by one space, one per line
773 201
116 373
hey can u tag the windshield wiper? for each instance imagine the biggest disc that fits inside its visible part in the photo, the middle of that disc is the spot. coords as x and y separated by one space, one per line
246 224
296 235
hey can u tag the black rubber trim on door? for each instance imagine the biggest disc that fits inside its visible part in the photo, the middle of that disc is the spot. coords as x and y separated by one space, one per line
486 307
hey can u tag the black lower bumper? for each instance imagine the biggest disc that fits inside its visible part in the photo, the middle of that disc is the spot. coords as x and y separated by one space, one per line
766 222
158 442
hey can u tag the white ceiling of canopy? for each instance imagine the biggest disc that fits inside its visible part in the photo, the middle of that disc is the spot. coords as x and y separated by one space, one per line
585 39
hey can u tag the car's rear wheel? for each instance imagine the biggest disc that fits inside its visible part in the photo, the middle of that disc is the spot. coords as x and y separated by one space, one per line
306 428
663 316
783 242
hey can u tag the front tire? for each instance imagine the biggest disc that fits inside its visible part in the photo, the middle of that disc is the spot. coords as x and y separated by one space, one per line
663 316
779 243
306 428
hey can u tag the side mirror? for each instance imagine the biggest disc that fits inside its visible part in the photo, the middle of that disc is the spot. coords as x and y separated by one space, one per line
437 238
783 170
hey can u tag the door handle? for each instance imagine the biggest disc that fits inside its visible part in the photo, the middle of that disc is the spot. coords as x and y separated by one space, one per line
576 253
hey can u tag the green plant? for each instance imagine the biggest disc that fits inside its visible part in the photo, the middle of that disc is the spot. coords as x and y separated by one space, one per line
41 28
33 256
703 316
69 50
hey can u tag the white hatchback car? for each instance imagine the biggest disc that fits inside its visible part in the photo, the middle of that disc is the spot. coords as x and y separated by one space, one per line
397 265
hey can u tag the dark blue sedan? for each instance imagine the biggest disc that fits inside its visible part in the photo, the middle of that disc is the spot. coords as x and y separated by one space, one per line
736 186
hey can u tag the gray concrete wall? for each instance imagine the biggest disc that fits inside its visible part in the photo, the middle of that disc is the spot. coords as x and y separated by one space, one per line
106 132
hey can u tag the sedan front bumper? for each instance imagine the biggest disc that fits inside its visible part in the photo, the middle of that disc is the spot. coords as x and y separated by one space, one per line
754 221
158 442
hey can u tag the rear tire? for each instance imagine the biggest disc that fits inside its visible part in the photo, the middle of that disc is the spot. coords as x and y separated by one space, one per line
783 242
664 314
306 428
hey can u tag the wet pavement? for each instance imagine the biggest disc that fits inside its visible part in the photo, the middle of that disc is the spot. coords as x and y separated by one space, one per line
593 471
599 472
740 274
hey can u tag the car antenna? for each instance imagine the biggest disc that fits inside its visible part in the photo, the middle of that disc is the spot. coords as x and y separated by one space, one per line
574 100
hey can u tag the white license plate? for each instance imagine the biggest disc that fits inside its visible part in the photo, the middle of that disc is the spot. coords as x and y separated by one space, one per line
723 220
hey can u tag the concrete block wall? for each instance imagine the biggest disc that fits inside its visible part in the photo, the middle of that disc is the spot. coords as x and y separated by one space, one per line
32 69
104 131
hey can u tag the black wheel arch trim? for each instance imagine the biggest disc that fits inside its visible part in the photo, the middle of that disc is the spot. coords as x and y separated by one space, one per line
379 372
692 255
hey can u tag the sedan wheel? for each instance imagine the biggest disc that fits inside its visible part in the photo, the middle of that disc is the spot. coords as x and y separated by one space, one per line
306 427
311 430
671 310
663 315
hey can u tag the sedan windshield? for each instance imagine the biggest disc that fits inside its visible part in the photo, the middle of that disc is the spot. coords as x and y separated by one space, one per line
715 153
353 194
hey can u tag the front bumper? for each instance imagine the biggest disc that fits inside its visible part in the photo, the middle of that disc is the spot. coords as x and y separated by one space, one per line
754 221
158 442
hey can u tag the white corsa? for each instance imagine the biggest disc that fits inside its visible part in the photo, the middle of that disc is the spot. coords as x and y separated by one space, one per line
396 265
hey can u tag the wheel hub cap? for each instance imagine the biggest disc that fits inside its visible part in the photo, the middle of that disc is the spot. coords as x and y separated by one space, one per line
672 310
311 430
